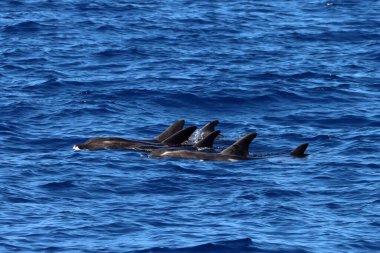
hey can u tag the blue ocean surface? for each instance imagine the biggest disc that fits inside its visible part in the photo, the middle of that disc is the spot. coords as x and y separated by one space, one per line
293 71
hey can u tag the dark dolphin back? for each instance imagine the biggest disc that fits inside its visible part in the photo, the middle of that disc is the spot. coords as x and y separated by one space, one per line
300 150
179 137
103 143
240 147
174 128
208 141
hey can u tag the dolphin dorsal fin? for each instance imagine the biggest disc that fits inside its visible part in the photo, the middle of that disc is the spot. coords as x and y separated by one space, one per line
300 150
240 147
208 141
179 137
208 128
174 128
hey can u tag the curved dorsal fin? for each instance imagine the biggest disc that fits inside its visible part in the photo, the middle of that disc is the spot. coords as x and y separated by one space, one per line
208 141
300 150
174 128
208 128
240 147
179 137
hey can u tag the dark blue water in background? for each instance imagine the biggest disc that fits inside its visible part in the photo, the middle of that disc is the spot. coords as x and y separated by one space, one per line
294 71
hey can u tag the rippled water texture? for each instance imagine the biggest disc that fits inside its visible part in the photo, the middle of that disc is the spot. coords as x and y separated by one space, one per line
294 71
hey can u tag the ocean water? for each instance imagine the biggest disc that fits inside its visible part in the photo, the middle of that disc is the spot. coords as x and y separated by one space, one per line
294 71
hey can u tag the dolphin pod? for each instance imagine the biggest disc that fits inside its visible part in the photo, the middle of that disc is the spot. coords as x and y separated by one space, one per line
176 142
235 152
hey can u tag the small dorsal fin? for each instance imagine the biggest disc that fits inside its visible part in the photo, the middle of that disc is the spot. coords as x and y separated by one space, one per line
174 128
300 150
179 137
208 141
208 128
240 147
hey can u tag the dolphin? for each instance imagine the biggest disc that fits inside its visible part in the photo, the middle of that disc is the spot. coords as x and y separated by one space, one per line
172 129
235 152
174 135
207 141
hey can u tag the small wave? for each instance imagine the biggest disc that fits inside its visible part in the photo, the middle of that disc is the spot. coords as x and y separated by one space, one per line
40 60
336 36
104 28
321 137
90 6
58 185
310 75
365 245
52 84
240 245
11 67
120 53
292 96
15 2
100 109
278 193
101 6
13 246
14 52
53 249
162 186
346 121
26 27
245 245
267 76
18 200
296 76
7 128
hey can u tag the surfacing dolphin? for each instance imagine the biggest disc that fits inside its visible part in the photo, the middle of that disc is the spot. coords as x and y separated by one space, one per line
235 152
174 135
171 136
